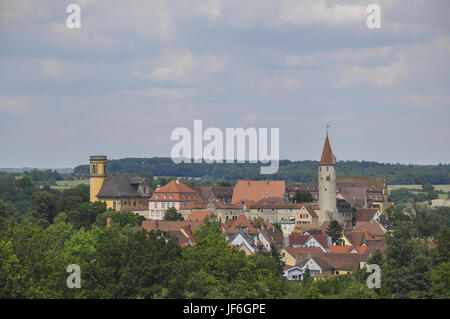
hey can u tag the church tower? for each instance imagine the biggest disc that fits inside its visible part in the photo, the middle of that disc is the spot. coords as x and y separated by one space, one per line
97 171
327 183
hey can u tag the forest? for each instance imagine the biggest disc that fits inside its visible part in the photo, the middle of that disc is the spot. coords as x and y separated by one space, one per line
42 231
290 171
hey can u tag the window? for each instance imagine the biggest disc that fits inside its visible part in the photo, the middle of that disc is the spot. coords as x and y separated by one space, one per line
327 168
156 196
157 213
170 196
114 205
153 213
156 205
164 196
162 205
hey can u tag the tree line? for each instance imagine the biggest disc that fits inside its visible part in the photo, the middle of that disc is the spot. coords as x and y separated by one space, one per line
291 171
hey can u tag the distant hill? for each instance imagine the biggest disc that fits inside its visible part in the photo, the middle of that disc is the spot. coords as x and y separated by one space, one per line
291 171
29 169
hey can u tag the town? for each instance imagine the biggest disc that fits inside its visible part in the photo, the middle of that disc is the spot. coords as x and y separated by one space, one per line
258 215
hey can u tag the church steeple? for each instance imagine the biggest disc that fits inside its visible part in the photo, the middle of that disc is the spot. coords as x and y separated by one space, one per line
327 155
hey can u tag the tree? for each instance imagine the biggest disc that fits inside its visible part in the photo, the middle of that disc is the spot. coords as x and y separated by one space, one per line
427 187
302 197
440 277
216 270
173 215
8 214
121 218
334 230
406 265
43 207
307 275
441 254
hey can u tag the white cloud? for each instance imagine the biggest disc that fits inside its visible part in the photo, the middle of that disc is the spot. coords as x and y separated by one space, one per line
377 77
179 68
320 12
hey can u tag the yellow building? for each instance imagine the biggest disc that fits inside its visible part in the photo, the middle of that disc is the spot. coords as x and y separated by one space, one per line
119 191
97 175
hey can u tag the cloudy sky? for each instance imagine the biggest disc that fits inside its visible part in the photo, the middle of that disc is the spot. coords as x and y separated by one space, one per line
136 70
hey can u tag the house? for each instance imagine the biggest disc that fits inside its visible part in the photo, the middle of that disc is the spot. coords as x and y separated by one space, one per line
373 228
257 237
329 263
367 214
269 235
222 194
223 212
241 231
289 255
174 194
293 273
182 230
246 242
347 249
247 191
198 215
318 241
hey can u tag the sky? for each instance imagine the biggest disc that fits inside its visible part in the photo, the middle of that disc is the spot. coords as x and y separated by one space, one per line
136 70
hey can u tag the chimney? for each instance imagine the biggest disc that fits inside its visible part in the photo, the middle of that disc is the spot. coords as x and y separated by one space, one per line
108 222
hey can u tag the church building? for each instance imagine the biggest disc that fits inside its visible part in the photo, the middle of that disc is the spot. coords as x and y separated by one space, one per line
118 191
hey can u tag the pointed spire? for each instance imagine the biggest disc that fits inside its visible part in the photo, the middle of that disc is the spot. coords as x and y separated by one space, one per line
327 155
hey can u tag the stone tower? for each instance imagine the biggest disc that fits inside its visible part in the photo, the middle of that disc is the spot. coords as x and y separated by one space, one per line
327 184
97 171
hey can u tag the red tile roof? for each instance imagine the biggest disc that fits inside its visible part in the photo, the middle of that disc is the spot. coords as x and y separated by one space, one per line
255 191
178 190
365 214
198 215
372 228
239 222
165 225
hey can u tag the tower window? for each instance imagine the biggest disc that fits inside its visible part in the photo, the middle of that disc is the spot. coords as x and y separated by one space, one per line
327 168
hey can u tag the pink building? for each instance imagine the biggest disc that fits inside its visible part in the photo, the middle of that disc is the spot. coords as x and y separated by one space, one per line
174 194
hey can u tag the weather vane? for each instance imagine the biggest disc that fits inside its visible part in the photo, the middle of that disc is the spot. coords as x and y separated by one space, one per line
327 129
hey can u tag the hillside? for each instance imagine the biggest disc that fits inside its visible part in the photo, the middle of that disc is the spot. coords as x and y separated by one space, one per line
291 171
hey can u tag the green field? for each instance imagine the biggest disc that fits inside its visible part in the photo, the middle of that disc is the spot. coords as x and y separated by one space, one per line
72 183
62 185
444 188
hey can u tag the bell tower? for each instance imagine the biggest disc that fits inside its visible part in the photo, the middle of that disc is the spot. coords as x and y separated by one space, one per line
97 170
327 183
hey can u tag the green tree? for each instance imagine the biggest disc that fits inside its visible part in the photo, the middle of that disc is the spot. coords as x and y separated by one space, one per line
406 265
8 214
427 187
334 230
173 215
302 197
43 207
440 277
